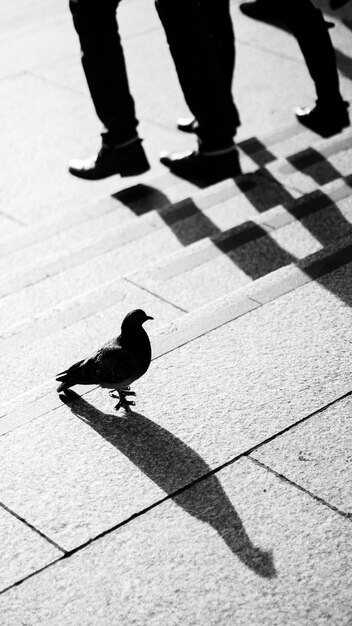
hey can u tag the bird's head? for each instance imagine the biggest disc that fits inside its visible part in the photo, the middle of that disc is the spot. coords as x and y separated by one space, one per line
134 319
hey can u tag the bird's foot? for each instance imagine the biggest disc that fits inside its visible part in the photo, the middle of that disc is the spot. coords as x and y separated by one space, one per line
126 391
123 402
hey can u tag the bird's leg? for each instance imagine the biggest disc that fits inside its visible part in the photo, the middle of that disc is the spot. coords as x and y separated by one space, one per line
124 403
126 391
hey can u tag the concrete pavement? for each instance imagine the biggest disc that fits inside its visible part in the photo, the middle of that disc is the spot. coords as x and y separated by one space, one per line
225 498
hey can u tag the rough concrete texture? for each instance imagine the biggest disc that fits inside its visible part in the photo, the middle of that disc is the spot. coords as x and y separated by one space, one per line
43 398
85 275
9 227
153 243
205 213
240 547
216 397
86 267
56 343
103 308
243 547
40 176
193 277
22 550
317 455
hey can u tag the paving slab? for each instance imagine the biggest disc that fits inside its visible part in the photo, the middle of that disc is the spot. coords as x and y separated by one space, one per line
10 227
43 398
240 547
16 16
316 455
65 485
22 550
191 325
210 269
85 275
28 44
89 485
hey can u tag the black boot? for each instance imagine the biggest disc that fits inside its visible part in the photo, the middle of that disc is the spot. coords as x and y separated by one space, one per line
325 119
214 166
127 160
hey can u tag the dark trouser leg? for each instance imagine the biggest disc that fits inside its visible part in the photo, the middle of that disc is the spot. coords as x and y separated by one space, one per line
310 30
104 66
199 67
219 23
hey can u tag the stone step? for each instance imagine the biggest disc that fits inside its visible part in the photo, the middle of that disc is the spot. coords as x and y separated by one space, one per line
119 226
225 262
159 192
29 370
84 272
216 209
278 370
111 229
121 202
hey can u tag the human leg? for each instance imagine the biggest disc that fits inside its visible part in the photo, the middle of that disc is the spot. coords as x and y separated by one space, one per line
104 66
220 28
105 70
199 68
194 37
308 26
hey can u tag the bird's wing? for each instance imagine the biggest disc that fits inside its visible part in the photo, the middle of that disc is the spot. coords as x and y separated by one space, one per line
73 367
79 373
110 364
113 364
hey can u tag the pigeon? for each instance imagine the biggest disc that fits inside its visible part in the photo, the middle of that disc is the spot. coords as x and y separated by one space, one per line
117 364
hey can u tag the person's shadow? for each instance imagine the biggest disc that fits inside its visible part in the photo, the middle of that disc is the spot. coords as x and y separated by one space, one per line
173 465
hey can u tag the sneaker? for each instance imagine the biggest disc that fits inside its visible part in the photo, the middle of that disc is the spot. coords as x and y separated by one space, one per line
126 160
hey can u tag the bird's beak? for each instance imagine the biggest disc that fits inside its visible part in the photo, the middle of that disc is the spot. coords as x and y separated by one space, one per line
149 318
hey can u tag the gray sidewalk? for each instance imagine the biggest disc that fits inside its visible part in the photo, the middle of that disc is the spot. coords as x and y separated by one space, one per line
226 497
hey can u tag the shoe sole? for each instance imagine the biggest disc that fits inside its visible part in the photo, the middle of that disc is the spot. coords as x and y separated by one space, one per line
125 172
134 171
324 133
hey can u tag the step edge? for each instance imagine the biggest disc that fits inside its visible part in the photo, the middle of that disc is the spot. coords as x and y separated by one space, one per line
18 280
191 326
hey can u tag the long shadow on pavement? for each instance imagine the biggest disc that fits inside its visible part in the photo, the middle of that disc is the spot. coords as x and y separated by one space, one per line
172 465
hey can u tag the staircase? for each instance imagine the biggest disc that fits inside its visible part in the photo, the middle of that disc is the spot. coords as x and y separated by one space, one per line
174 249
224 269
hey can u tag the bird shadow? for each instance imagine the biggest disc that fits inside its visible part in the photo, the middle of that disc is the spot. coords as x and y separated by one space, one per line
173 465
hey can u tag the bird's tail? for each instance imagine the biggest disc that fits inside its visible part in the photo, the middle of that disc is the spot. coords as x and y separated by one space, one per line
62 387
65 381
68 377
